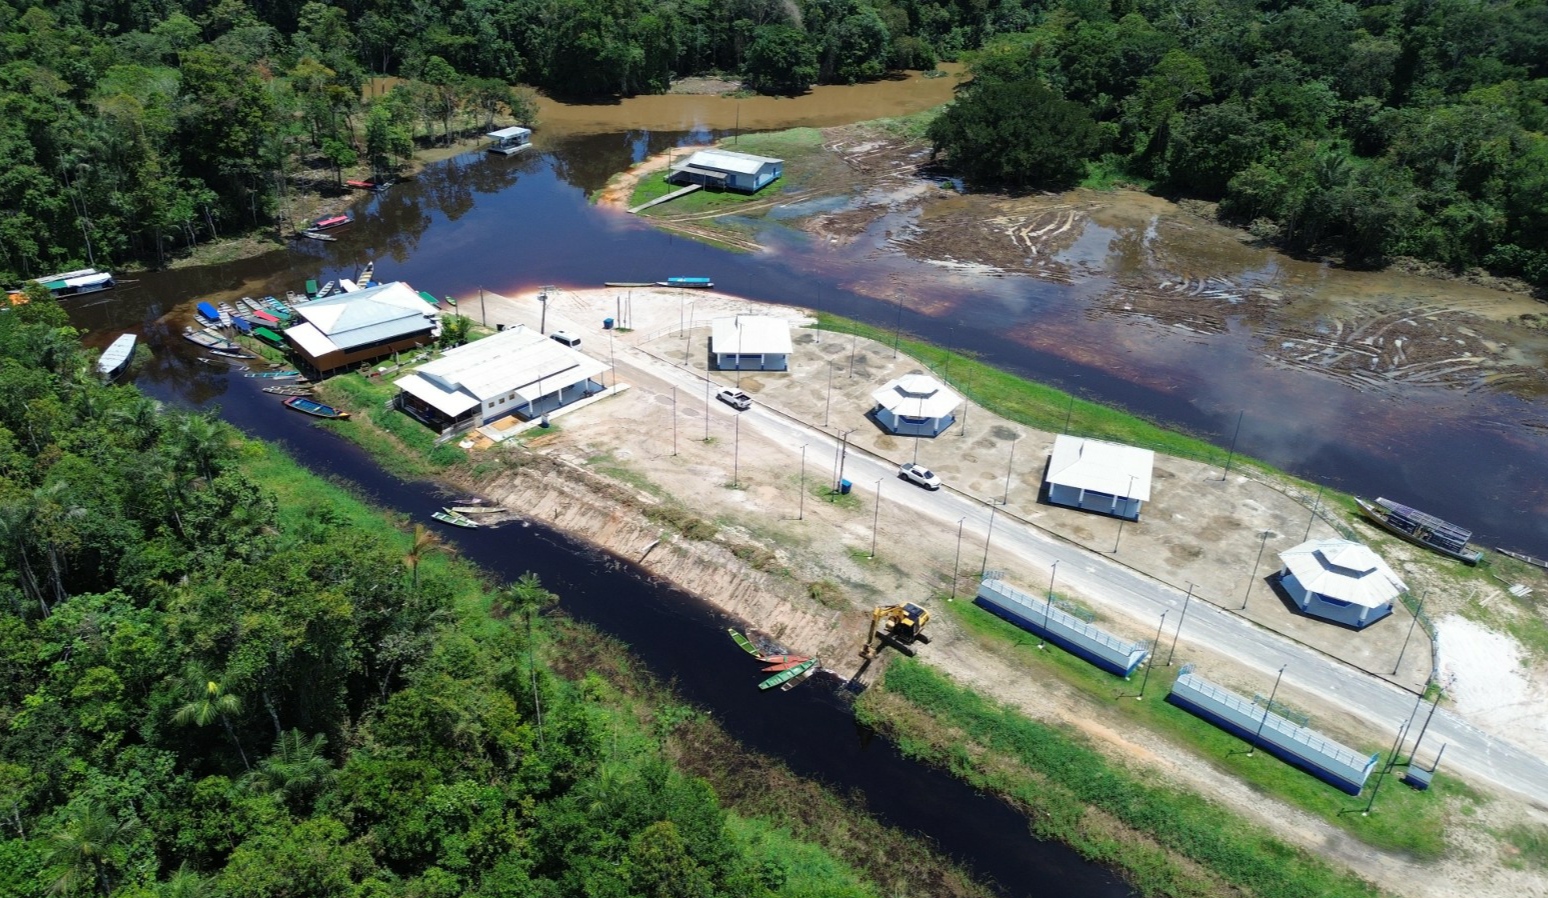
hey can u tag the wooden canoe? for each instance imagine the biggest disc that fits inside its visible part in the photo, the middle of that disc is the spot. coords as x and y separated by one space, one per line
746 644
786 676
314 408
783 662
477 509
454 519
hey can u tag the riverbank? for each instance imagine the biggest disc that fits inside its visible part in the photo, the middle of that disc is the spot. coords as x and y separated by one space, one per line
623 475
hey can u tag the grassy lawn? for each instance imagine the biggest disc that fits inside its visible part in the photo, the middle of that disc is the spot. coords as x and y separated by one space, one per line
1403 820
403 446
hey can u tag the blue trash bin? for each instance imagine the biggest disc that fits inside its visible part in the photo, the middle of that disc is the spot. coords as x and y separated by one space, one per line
844 487
607 324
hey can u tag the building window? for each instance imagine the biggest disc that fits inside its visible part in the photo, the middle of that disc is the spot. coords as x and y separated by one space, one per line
489 404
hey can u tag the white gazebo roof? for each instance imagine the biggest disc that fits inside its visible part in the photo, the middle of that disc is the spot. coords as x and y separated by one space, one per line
1343 570
917 396
750 335
1101 467
508 133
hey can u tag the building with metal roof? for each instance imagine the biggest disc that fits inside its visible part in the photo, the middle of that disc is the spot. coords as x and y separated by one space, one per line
1339 580
346 330
751 343
725 170
1256 722
515 372
916 405
1095 475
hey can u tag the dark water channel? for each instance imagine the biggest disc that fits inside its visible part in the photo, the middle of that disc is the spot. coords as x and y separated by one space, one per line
682 639
512 223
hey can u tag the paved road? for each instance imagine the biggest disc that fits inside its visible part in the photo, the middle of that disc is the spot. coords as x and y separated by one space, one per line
1124 591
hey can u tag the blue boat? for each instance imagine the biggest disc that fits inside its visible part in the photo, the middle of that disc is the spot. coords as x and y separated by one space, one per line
314 408
208 312
696 283
241 324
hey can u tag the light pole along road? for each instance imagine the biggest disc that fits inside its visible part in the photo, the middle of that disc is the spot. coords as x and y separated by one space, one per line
1141 598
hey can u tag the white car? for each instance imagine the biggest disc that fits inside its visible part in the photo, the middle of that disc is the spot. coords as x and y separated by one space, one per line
921 475
736 399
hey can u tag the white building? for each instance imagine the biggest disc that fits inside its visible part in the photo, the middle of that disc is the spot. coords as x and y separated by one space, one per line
751 343
509 140
1340 581
725 170
916 405
1094 475
515 372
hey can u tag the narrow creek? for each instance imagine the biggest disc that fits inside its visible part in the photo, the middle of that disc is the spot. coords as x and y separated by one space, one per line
683 640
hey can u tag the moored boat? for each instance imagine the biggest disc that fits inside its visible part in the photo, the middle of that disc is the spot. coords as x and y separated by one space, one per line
695 283
327 289
332 221
82 280
1523 558
785 676
454 519
318 235
274 375
116 357
1421 529
746 644
314 408
209 339
209 313
783 662
269 337
476 509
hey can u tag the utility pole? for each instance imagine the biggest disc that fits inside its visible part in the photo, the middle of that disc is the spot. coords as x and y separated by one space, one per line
843 456
482 317
1150 661
1121 519
1411 624
1232 454
801 513
736 452
706 406
1313 518
956 563
1048 600
1254 578
542 301
1180 621
989 535
826 408
1069 411
674 417
897 332
876 518
1272 692
1005 500
854 344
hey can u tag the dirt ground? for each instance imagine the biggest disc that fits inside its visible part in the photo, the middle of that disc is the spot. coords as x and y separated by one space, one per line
796 565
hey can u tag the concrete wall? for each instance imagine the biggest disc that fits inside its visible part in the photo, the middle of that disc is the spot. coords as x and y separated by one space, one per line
730 361
1329 761
1090 500
1035 615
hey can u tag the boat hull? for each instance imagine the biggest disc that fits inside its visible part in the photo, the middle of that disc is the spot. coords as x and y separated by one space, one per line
315 409
1375 516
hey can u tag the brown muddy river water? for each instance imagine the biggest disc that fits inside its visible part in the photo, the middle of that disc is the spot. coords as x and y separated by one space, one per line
1375 383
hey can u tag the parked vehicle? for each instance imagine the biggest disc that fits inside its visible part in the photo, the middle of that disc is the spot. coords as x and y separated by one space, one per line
921 475
565 337
736 399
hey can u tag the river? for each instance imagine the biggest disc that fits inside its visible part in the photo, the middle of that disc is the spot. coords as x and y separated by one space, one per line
507 223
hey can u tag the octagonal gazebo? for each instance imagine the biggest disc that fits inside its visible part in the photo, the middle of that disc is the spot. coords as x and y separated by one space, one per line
916 405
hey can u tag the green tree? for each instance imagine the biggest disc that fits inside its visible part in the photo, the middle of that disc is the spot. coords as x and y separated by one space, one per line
780 61
208 702
423 544
88 848
1016 134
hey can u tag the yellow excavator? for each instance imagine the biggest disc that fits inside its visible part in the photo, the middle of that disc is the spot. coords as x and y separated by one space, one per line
899 626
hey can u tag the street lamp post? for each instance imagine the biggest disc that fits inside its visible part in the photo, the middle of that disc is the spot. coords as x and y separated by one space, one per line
1180 621
1005 500
736 452
956 563
876 517
1232 453
801 514
1411 624
674 419
1253 746
1048 600
1123 518
829 406
843 455
989 535
1254 578
1312 518
1151 660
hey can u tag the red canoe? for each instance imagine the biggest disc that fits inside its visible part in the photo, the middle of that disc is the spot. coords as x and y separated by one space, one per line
784 662
335 221
361 185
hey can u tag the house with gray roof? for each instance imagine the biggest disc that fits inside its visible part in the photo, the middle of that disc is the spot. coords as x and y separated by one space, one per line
725 170
346 330
1339 580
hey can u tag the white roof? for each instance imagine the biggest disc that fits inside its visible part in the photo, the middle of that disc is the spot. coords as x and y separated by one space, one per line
507 133
725 160
366 316
1343 570
311 340
1101 467
917 396
515 360
750 335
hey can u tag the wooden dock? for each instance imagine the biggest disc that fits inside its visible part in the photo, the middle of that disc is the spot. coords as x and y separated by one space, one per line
665 199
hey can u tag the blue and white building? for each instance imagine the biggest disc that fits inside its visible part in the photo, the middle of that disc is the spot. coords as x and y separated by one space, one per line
915 405
1094 475
725 170
751 343
1339 580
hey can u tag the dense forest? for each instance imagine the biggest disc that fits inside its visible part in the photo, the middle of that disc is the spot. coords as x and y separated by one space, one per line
224 678
1371 130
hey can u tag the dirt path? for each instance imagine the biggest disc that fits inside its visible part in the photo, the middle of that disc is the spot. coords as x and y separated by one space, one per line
620 188
800 568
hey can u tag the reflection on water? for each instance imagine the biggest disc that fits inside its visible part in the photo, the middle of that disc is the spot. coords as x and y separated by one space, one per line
1153 317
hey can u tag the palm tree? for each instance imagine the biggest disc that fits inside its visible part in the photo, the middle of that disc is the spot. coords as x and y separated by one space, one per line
211 702
201 441
185 883
297 766
424 545
528 594
91 842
